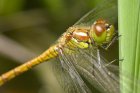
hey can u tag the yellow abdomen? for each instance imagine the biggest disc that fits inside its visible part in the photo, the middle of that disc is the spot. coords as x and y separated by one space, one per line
47 55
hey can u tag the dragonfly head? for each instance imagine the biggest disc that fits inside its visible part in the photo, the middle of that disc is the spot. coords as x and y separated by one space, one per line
101 32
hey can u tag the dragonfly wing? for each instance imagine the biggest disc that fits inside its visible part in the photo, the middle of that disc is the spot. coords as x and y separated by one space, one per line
104 78
68 77
125 76
67 64
106 10
101 78
63 78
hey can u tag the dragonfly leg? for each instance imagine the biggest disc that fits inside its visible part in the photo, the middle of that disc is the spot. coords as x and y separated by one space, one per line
112 41
113 62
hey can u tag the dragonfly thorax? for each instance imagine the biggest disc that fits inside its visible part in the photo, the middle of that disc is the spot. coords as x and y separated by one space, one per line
81 35
78 37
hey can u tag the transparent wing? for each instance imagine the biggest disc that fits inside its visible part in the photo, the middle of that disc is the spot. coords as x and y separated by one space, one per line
98 77
67 64
64 78
79 72
106 10
106 78
127 76
68 77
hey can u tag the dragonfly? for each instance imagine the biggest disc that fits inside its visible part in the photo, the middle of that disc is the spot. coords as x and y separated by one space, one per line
78 53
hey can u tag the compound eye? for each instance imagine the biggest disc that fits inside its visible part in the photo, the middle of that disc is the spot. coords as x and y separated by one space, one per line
99 28
80 36
107 26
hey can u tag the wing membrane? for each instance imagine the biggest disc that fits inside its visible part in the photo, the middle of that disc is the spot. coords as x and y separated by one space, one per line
81 66
68 77
106 10
68 65
101 78
64 78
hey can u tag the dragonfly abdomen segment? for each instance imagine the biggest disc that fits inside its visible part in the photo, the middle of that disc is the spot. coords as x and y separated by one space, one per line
47 55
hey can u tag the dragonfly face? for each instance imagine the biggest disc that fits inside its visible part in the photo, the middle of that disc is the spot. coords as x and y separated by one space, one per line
102 32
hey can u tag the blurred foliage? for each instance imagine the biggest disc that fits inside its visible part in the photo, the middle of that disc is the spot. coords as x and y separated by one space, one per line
35 25
129 51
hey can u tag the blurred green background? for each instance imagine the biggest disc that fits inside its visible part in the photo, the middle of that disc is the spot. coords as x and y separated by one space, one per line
27 28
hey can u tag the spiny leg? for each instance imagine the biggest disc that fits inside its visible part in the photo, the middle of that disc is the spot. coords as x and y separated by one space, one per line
112 41
106 65
106 47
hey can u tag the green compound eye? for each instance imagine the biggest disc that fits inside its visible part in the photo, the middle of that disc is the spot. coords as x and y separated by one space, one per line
101 32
